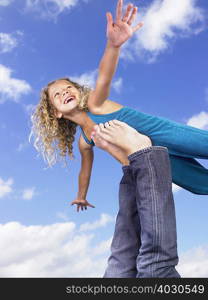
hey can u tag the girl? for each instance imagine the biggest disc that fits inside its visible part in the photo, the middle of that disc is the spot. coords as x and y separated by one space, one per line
64 104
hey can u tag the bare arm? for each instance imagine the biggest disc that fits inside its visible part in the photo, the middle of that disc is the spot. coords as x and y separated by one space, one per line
107 69
87 157
84 175
118 33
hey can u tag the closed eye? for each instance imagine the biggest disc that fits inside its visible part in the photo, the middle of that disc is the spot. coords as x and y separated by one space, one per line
56 94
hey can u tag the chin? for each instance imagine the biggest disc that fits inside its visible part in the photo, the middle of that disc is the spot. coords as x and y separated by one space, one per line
72 108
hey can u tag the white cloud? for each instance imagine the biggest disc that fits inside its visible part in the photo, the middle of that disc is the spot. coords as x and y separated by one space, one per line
28 193
5 187
50 9
176 188
103 247
7 42
164 21
11 88
194 262
199 121
88 78
103 221
50 251
5 2
117 84
62 216
56 250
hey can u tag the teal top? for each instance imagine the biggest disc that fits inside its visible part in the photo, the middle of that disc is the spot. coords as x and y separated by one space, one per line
184 143
86 139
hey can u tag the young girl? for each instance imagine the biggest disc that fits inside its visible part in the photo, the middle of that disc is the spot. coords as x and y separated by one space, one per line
64 104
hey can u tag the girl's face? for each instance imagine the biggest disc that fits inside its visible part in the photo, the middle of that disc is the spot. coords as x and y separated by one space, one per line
64 97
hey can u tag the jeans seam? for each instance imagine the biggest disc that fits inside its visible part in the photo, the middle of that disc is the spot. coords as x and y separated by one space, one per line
154 204
152 197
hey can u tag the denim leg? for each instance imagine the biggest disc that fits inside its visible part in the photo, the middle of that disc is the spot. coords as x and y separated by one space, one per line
157 255
126 239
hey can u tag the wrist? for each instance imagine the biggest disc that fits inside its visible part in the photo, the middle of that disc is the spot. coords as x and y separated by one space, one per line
112 46
81 196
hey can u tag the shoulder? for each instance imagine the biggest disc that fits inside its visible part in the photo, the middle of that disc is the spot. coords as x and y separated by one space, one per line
94 108
106 107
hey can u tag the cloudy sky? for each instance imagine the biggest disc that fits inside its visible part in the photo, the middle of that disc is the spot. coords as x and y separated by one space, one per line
162 71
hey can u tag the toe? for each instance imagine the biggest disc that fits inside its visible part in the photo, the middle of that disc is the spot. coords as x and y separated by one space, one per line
107 124
102 128
112 123
104 133
118 123
95 127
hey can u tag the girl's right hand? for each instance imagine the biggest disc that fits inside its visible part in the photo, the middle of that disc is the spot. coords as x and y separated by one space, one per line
81 203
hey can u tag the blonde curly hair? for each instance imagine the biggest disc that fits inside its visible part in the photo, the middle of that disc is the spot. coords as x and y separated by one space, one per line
51 133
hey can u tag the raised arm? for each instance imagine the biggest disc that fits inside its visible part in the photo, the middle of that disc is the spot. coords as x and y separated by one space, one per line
118 33
87 157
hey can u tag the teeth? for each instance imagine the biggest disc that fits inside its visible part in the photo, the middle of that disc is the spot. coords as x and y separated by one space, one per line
67 100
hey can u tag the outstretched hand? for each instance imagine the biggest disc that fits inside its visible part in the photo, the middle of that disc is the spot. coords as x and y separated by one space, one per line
120 31
81 203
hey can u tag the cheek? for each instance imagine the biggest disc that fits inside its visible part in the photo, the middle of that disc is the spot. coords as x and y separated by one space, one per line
54 105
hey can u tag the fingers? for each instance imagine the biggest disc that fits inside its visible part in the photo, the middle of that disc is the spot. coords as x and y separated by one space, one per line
119 10
133 15
127 13
80 206
138 26
126 17
128 10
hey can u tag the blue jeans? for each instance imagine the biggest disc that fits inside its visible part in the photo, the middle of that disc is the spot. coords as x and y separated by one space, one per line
145 241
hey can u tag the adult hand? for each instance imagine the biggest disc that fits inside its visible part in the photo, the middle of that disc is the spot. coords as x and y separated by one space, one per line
120 31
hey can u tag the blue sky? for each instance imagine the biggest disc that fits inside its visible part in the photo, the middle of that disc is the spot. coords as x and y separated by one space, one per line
162 71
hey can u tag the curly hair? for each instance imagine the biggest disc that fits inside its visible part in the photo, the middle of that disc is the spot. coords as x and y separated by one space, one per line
51 133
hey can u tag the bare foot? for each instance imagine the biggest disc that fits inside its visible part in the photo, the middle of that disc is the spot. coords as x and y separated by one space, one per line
123 136
114 150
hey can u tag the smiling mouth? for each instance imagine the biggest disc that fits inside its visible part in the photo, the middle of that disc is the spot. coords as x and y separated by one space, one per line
69 100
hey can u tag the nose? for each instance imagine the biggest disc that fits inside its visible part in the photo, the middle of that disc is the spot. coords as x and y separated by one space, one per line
64 92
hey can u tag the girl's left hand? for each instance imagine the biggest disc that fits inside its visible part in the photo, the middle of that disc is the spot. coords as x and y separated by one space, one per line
81 204
120 31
